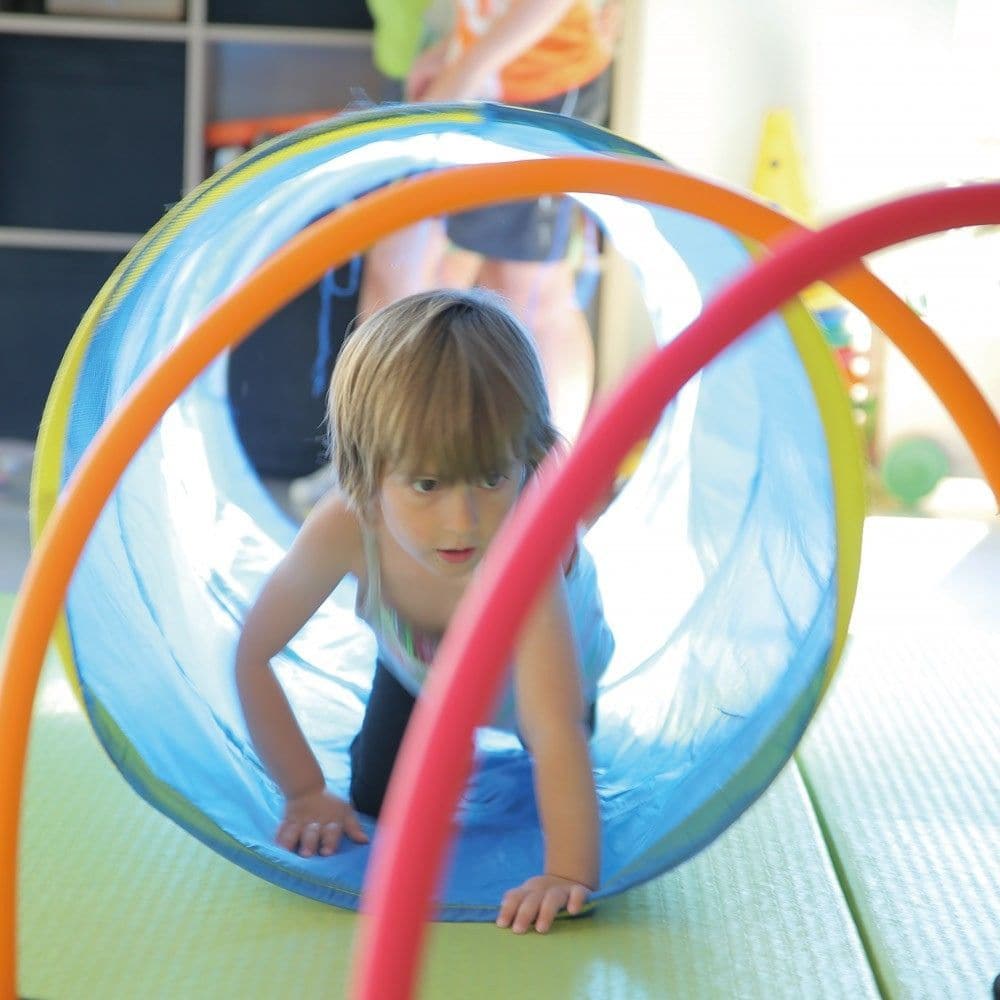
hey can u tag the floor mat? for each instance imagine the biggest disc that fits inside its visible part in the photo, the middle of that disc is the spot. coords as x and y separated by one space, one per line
758 914
902 761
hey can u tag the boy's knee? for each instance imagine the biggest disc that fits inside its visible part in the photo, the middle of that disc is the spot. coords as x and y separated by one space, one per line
367 790
365 798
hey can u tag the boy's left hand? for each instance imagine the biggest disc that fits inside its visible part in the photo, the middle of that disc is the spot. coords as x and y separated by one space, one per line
539 900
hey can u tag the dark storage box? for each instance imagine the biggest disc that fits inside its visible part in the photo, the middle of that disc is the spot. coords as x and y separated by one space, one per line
92 132
44 295
291 13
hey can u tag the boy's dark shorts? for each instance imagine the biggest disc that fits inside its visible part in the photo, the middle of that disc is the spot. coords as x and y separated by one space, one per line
375 748
532 230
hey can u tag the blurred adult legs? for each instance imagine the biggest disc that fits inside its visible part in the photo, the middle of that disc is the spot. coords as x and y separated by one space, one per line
543 295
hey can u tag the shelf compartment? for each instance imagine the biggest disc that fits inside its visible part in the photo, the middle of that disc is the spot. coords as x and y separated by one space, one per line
298 78
44 295
92 132
291 13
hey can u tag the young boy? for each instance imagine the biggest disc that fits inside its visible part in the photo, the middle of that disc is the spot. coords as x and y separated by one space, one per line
438 416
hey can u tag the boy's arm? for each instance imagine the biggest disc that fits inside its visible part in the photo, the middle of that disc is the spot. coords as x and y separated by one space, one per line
322 554
550 712
524 23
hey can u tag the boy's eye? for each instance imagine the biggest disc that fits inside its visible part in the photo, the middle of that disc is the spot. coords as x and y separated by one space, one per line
492 481
425 485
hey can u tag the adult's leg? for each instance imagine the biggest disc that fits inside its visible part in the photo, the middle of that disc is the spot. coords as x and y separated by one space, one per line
458 268
374 749
543 294
524 245
402 264
410 261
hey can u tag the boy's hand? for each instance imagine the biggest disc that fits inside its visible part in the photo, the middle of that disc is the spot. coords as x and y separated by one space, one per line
539 900
315 822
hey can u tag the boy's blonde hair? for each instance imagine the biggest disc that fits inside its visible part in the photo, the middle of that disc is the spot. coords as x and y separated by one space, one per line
442 383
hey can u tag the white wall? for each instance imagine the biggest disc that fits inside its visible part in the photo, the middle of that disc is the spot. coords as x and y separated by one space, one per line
888 96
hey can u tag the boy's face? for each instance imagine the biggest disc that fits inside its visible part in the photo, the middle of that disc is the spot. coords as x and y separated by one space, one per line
447 526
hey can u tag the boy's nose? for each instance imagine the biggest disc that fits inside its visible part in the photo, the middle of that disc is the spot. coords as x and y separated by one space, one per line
463 510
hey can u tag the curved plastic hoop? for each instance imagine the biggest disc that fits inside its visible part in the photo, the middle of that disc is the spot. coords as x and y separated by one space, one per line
286 274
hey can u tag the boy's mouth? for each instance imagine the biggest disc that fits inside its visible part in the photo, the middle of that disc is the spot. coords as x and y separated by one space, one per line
456 555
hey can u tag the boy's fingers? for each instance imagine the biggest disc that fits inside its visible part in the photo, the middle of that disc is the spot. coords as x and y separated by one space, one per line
288 835
508 908
309 840
526 913
577 899
552 902
354 829
330 837
521 908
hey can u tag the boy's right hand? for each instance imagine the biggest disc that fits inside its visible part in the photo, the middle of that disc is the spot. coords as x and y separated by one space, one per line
315 822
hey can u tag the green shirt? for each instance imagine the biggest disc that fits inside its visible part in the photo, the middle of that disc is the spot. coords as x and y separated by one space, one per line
399 31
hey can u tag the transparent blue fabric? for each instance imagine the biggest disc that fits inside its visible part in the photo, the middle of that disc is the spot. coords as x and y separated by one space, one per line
716 562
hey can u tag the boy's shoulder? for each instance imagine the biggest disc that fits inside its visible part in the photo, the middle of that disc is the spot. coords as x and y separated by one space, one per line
334 525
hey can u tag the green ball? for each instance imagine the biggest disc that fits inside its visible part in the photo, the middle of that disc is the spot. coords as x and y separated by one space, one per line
912 468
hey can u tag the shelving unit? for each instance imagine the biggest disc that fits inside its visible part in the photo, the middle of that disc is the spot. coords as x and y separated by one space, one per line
215 56
102 122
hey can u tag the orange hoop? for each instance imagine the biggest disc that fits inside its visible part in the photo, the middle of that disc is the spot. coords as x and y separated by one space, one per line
293 269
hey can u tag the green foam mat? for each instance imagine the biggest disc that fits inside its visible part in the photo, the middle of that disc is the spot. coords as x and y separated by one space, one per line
903 762
117 902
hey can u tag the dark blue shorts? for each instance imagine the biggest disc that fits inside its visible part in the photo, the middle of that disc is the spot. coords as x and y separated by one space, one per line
532 230
375 748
